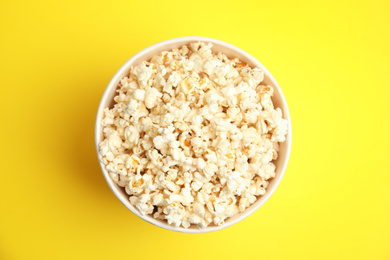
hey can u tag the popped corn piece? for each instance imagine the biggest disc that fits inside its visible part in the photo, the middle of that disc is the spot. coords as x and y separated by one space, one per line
139 94
143 204
151 97
196 185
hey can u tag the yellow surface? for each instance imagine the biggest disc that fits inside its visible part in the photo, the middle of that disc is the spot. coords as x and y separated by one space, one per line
331 59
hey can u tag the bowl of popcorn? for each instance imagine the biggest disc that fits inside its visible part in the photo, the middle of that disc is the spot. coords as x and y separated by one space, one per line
193 134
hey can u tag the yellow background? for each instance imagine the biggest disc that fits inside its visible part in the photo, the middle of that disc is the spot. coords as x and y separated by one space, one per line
331 59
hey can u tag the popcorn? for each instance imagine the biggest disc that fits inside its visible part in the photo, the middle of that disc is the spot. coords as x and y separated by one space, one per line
144 73
139 94
192 136
151 97
196 185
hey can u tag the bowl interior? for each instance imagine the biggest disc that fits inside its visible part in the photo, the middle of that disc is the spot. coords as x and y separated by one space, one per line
230 51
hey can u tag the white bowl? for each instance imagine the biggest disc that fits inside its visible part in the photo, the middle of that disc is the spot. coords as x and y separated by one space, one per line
231 51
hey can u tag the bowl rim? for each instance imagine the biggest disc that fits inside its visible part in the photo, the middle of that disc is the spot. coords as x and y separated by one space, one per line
242 215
